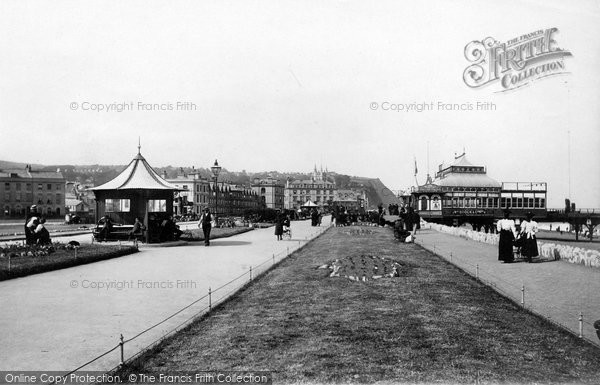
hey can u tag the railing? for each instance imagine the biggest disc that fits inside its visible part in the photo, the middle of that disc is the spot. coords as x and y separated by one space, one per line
576 211
207 303
523 296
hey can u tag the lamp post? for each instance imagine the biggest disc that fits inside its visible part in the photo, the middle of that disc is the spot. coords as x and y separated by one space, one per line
216 169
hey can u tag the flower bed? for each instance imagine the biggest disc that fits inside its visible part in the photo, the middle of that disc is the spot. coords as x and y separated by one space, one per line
19 261
363 268
548 251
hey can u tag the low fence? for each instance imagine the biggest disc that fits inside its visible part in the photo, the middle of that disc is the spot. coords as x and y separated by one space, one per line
201 306
576 322
547 251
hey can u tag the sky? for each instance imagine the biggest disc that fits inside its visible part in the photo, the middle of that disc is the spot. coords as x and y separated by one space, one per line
285 85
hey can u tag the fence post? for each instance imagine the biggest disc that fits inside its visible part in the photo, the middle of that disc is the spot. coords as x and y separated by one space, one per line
477 272
9 263
523 295
75 252
209 299
450 256
288 251
251 273
122 344
580 325
273 259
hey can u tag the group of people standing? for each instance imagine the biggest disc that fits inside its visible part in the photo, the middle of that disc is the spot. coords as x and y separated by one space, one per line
524 238
282 224
35 229
407 224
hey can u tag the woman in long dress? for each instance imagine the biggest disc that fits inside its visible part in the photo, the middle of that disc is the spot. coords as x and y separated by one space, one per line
279 226
507 230
529 228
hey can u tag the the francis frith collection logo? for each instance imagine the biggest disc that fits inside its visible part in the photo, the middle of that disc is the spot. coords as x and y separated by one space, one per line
515 63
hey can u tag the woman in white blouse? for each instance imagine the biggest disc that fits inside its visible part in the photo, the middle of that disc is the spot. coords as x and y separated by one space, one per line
508 232
529 228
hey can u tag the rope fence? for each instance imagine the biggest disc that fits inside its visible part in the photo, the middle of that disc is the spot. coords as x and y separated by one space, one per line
212 301
521 295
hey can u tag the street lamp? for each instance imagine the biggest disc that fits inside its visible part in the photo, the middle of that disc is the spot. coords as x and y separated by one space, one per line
216 169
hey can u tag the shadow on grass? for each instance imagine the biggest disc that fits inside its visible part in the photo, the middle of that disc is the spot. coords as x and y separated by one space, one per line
218 242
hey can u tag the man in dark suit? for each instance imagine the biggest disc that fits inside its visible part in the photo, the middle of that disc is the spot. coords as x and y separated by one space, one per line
205 224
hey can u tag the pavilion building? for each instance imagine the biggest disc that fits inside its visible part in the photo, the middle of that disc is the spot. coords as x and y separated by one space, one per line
463 192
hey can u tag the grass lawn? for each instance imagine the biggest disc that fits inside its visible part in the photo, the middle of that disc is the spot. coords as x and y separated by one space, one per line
21 266
432 323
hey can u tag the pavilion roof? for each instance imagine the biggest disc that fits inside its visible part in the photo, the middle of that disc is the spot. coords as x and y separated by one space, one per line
138 175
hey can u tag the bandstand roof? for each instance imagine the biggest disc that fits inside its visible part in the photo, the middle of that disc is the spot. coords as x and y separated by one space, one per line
138 175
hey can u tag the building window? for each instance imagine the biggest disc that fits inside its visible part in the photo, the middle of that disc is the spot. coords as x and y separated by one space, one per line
58 200
28 186
117 205
40 186
157 205
18 186
49 186
7 186
58 187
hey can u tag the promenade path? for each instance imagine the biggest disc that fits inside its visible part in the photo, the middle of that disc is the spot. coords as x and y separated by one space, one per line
61 319
558 290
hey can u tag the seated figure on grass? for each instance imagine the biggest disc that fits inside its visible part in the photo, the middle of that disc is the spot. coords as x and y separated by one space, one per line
41 233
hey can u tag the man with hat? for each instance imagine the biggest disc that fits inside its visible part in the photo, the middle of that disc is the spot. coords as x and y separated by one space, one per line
529 228
205 224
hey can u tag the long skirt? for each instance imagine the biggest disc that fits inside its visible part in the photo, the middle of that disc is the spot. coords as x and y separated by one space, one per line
279 228
529 249
505 246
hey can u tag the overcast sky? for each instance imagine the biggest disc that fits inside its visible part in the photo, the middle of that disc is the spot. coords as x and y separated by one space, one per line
282 85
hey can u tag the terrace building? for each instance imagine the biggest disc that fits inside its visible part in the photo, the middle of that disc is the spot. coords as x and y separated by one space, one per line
194 194
271 192
21 188
234 200
318 190
197 193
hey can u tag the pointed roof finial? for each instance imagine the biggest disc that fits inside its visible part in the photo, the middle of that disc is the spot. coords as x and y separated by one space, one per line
139 146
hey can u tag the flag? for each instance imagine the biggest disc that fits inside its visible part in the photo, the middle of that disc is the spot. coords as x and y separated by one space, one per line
416 171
